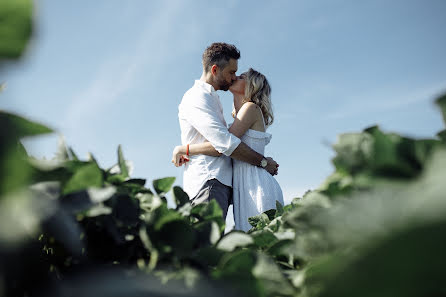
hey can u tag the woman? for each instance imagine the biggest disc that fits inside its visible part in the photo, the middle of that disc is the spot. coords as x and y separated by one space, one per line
254 189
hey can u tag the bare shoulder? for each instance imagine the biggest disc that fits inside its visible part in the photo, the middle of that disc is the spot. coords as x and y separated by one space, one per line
250 108
253 114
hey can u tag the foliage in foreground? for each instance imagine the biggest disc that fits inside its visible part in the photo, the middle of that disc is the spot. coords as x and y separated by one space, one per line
68 227
378 219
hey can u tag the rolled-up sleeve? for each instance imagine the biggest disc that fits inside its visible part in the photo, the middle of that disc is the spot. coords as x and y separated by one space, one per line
202 114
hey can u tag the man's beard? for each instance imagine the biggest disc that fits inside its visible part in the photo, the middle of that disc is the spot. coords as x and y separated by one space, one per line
223 85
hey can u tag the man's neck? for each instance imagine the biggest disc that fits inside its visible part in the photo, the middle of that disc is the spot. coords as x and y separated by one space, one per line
207 78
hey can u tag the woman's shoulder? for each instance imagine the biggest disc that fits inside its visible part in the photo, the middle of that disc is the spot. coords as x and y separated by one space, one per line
255 113
251 108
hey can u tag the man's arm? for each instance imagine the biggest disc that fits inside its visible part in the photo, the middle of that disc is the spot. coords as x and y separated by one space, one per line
201 114
246 154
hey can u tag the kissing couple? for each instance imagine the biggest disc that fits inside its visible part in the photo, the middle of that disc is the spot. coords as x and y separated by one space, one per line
221 163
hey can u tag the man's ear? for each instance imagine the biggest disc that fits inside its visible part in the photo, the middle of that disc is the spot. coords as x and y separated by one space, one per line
214 69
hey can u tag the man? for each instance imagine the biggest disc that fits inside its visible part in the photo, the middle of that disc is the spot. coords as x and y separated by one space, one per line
201 119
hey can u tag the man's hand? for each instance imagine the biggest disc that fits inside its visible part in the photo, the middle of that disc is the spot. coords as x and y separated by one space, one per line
178 157
272 167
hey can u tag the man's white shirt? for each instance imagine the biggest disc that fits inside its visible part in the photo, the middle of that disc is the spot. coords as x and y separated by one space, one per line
201 119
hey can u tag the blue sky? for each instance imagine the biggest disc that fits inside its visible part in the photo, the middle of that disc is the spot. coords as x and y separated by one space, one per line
104 73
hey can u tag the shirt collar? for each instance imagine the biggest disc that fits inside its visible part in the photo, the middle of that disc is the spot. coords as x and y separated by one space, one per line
205 85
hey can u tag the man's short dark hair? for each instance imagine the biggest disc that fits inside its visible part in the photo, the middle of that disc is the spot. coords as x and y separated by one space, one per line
219 54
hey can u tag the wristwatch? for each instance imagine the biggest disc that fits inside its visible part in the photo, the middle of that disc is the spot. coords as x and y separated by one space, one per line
264 162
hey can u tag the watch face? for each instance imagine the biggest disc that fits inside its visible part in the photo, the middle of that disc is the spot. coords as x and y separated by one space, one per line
264 163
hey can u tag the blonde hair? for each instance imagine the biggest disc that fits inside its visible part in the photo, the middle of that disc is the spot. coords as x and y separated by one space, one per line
258 91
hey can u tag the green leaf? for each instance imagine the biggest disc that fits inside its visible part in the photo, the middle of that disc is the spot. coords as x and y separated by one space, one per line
279 209
442 135
180 196
260 221
14 127
353 152
164 216
209 211
179 235
15 27
87 176
233 240
389 262
72 154
163 185
263 238
208 232
441 102
236 268
121 162
272 278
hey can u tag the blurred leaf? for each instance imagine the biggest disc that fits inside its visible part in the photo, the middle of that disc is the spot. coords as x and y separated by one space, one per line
15 27
233 240
208 232
87 176
260 221
392 264
180 196
122 163
15 172
236 268
163 185
353 151
441 102
72 154
279 209
14 127
126 210
263 238
179 235
272 279
163 215
442 135
209 211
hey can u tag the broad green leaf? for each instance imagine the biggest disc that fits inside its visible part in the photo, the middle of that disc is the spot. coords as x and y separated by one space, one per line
15 27
233 240
272 278
14 127
441 102
126 210
353 151
208 232
180 196
15 172
163 185
85 177
208 256
179 235
279 209
164 216
121 162
442 135
263 238
390 263
236 267
209 211
260 221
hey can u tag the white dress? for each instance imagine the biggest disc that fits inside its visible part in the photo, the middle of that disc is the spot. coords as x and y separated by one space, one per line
255 190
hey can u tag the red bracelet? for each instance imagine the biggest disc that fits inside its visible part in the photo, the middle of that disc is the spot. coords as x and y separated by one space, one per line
187 150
